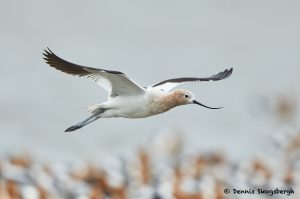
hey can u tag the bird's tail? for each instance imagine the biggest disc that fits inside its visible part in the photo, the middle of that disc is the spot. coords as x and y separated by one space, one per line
93 108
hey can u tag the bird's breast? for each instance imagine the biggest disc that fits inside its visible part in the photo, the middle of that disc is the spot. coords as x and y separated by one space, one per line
161 103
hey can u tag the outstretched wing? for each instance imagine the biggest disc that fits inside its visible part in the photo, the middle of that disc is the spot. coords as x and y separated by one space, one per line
115 82
169 84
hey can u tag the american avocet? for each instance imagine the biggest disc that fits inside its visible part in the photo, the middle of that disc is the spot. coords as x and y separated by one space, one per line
125 97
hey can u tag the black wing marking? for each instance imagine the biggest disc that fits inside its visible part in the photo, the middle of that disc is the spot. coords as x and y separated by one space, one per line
71 68
222 75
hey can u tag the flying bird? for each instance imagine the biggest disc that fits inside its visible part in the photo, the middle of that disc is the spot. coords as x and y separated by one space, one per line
125 97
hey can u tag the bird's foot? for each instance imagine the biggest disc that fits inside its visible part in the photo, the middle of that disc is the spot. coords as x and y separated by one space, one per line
73 128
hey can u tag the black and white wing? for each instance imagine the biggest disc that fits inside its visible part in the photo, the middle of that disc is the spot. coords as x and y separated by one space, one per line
116 83
169 84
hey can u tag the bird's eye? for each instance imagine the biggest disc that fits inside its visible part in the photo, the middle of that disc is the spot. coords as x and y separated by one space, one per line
186 96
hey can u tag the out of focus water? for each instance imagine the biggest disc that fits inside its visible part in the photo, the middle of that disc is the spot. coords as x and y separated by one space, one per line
149 41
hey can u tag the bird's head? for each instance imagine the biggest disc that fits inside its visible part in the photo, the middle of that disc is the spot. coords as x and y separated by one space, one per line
184 97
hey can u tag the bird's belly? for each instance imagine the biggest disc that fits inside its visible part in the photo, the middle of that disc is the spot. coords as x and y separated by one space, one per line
135 111
142 111
128 108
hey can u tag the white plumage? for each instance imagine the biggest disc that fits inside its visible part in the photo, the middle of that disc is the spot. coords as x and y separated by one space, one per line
125 97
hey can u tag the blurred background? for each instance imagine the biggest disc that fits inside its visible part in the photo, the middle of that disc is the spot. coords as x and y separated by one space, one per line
150 41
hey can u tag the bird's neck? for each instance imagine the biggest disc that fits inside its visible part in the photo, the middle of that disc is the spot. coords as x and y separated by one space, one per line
166 102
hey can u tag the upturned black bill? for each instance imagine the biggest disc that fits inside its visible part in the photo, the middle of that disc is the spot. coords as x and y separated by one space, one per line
195 102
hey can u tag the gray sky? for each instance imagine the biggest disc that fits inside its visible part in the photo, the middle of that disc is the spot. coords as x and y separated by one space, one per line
149 41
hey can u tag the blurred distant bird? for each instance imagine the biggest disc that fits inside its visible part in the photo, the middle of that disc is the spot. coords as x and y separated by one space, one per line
125 97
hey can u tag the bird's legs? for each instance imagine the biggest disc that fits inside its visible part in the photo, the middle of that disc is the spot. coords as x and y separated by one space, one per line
96 115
